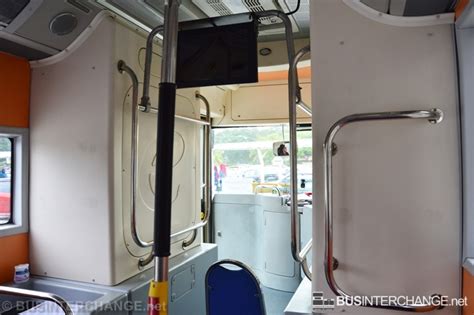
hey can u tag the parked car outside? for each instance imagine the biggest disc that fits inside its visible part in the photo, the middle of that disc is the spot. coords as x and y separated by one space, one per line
5 207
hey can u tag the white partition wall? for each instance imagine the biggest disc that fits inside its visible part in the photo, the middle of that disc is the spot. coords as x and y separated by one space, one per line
465 41
396 184
80 160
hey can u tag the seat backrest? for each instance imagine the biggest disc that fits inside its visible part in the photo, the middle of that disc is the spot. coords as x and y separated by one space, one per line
233 289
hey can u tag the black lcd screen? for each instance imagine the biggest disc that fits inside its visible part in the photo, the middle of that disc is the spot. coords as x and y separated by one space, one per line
217 51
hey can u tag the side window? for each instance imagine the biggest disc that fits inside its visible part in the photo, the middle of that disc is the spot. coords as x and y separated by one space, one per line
13 181
6 167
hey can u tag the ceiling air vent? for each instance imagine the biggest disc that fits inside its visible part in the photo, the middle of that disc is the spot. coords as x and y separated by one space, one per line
214 8
256 6
219 7
253 5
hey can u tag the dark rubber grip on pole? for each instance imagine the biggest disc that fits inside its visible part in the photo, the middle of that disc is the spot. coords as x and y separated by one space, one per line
164 169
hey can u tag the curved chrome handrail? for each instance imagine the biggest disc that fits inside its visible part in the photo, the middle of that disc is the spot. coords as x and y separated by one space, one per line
154 110
145 105
207 169
434 116
293 80
38 295
294 100
122 67
145 100
190 241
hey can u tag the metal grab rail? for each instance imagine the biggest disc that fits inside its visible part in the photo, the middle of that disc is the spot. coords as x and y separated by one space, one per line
293 86
294 100
293 80
145 101
122 67
38 295
208 192
154 110
206 169
434 116
145 105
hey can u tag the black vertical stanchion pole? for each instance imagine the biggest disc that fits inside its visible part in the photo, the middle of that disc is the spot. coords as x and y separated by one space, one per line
158 294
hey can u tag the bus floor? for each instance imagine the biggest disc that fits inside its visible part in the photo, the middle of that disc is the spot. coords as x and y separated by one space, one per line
275 300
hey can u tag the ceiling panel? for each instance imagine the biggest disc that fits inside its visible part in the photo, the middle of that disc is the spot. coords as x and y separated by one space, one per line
37 27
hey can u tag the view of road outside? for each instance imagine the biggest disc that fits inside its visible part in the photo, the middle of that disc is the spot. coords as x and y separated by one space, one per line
243 159
5 179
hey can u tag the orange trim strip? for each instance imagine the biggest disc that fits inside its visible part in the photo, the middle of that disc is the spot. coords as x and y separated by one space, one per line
14 91
14 252
460 7
303 73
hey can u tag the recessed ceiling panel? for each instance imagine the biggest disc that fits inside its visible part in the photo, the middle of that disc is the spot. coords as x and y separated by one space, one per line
56 23
9 9
21 50
139 11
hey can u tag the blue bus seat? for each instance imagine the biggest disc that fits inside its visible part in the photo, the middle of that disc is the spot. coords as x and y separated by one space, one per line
233 289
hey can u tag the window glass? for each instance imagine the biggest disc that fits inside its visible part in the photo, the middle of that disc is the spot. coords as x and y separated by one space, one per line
244 160
5 180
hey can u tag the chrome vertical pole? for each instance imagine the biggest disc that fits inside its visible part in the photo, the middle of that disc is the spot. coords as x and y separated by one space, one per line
158 295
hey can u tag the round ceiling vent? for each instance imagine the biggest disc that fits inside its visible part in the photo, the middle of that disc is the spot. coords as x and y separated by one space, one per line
63 24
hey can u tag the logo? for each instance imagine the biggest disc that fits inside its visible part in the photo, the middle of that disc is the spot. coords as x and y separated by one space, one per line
320 303
438 301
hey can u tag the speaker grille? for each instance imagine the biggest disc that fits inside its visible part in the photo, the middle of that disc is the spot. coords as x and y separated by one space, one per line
63 23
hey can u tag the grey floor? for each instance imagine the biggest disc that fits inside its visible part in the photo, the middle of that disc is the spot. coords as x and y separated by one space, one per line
276 301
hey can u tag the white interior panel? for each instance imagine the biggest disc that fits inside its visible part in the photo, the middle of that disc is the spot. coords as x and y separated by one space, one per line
266 102
275 243
237 229
80 157
71 164
465 46
397 193
186 173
